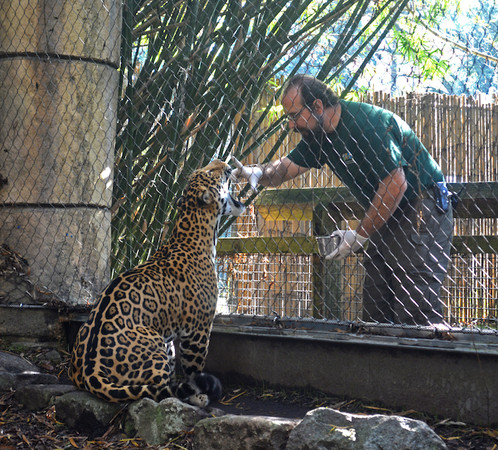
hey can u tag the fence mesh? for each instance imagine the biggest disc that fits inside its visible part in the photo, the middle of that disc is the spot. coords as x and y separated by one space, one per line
107 107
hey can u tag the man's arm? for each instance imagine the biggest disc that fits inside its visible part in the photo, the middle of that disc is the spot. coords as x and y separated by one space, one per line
273 174
280 171
387 198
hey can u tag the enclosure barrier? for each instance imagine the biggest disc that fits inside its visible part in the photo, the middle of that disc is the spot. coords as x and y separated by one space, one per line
107 107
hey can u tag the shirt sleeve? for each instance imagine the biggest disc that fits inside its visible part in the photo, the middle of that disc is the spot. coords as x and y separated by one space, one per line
381 147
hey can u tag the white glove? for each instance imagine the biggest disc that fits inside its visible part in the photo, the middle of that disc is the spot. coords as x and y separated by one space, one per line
350 242
250 173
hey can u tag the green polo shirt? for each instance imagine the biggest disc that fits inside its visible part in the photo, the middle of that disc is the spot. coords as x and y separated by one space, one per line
367 145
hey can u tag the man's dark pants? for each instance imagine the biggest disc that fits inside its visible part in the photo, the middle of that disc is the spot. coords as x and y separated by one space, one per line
406 263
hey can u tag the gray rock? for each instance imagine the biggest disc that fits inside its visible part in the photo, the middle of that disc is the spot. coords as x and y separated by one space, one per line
15 364
53 356
85 413
156 423
325 428
40 396
22 379
16 372
243 432
7 381
14 381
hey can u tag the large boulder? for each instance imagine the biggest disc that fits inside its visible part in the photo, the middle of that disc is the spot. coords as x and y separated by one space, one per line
16 372
156 423
9 362
86 413
35 397
243 433
325 428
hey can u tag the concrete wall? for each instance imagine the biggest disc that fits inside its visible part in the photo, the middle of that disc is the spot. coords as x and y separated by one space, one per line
451 384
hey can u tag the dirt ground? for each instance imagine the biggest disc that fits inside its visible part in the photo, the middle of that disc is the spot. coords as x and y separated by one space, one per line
20 429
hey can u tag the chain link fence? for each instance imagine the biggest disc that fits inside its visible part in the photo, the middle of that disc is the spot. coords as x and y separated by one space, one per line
107 107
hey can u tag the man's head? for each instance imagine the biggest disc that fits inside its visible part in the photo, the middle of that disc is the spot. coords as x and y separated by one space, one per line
304 100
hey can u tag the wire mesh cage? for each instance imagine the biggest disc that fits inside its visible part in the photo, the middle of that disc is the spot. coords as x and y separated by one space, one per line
106 108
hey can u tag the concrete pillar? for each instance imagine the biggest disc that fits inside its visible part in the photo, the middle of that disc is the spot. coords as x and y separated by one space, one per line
58 101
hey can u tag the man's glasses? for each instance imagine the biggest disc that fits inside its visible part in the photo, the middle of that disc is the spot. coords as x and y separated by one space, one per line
295 116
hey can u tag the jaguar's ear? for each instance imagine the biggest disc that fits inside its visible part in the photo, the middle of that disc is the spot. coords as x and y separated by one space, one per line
205 197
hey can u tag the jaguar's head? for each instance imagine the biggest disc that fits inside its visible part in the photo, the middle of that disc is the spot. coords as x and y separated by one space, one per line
210 186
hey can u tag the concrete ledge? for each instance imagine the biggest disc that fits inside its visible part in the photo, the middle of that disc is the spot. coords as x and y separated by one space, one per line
459 340
451 383
30 323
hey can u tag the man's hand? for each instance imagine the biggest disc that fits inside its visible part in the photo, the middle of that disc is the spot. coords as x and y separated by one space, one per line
350 242
250 173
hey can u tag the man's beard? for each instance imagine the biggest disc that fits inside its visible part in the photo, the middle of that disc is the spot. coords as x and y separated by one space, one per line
316 135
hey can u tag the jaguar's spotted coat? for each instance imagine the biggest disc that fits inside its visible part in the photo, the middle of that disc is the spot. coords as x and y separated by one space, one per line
125 350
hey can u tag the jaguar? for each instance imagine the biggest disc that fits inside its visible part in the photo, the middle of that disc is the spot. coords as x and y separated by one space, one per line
126 349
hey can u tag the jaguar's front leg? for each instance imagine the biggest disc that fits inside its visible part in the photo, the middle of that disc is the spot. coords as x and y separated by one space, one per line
199 385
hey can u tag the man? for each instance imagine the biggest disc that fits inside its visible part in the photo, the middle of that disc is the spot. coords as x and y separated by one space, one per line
386 167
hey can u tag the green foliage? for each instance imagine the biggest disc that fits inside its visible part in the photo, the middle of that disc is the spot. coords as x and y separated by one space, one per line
417 49
192 73
450 43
